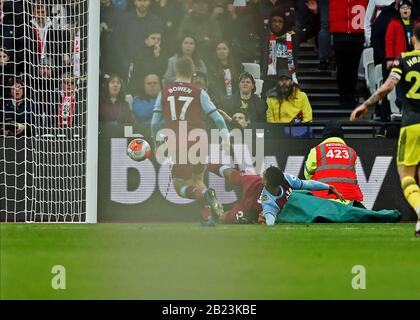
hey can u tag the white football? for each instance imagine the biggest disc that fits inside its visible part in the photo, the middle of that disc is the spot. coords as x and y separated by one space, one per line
139 149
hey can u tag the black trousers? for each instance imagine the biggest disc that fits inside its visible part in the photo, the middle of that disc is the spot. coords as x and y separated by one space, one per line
348 50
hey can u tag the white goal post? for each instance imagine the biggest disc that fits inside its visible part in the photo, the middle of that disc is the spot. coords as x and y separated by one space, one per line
49 88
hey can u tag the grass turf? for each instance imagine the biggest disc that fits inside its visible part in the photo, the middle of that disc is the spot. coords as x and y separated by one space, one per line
186 261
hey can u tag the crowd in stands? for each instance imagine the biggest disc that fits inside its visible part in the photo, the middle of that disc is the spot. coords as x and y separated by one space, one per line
41 66
142 39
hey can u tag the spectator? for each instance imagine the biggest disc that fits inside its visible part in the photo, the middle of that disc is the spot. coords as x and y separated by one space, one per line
348 41
267 7
309 17
238 120
338 170
66 111
144 104
204 28
378 33
110 18
287 103
11 30
224 72
18 111
132 33
246 100
324 36
373 10
170 13
113 109
399 33
44 40
242 32
151 59
187 49
274 46
200 80
225 15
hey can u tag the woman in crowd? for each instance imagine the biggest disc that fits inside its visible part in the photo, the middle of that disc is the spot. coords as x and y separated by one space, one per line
225 71
186 49
112 106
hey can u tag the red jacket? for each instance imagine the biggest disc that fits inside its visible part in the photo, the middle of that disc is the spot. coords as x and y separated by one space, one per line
395 39
347 16
336 166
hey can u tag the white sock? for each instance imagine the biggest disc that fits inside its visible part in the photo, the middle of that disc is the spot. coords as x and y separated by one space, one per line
418 226
418 212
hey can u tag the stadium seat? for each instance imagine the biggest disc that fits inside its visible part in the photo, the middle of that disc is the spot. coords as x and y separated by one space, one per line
378 76
253 68
392 97
258 86
368 65
361 70
129 99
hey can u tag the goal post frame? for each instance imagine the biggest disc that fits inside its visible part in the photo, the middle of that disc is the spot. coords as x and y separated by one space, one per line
92 112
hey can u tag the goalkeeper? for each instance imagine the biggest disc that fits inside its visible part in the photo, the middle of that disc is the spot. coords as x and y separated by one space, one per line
276 198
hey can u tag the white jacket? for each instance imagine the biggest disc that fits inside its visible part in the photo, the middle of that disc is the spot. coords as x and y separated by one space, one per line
373 10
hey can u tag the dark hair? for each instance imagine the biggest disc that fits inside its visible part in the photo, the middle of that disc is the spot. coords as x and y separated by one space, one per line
242 112
282 14
231 61
152 30
406 2
105 88
184 66
274 177
247 75
196 59
227 45
332 129
295 90
14 80
416 31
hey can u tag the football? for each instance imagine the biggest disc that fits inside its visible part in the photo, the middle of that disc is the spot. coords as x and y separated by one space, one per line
138 149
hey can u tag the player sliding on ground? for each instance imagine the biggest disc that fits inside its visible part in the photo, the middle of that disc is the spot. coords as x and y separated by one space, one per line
406 74
263 198
181 106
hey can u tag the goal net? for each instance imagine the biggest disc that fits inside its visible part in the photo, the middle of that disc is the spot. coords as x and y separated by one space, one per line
49 58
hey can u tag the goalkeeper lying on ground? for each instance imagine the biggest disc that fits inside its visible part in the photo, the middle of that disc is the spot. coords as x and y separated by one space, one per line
271 199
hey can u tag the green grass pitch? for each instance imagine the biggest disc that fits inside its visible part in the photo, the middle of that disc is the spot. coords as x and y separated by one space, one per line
187 261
